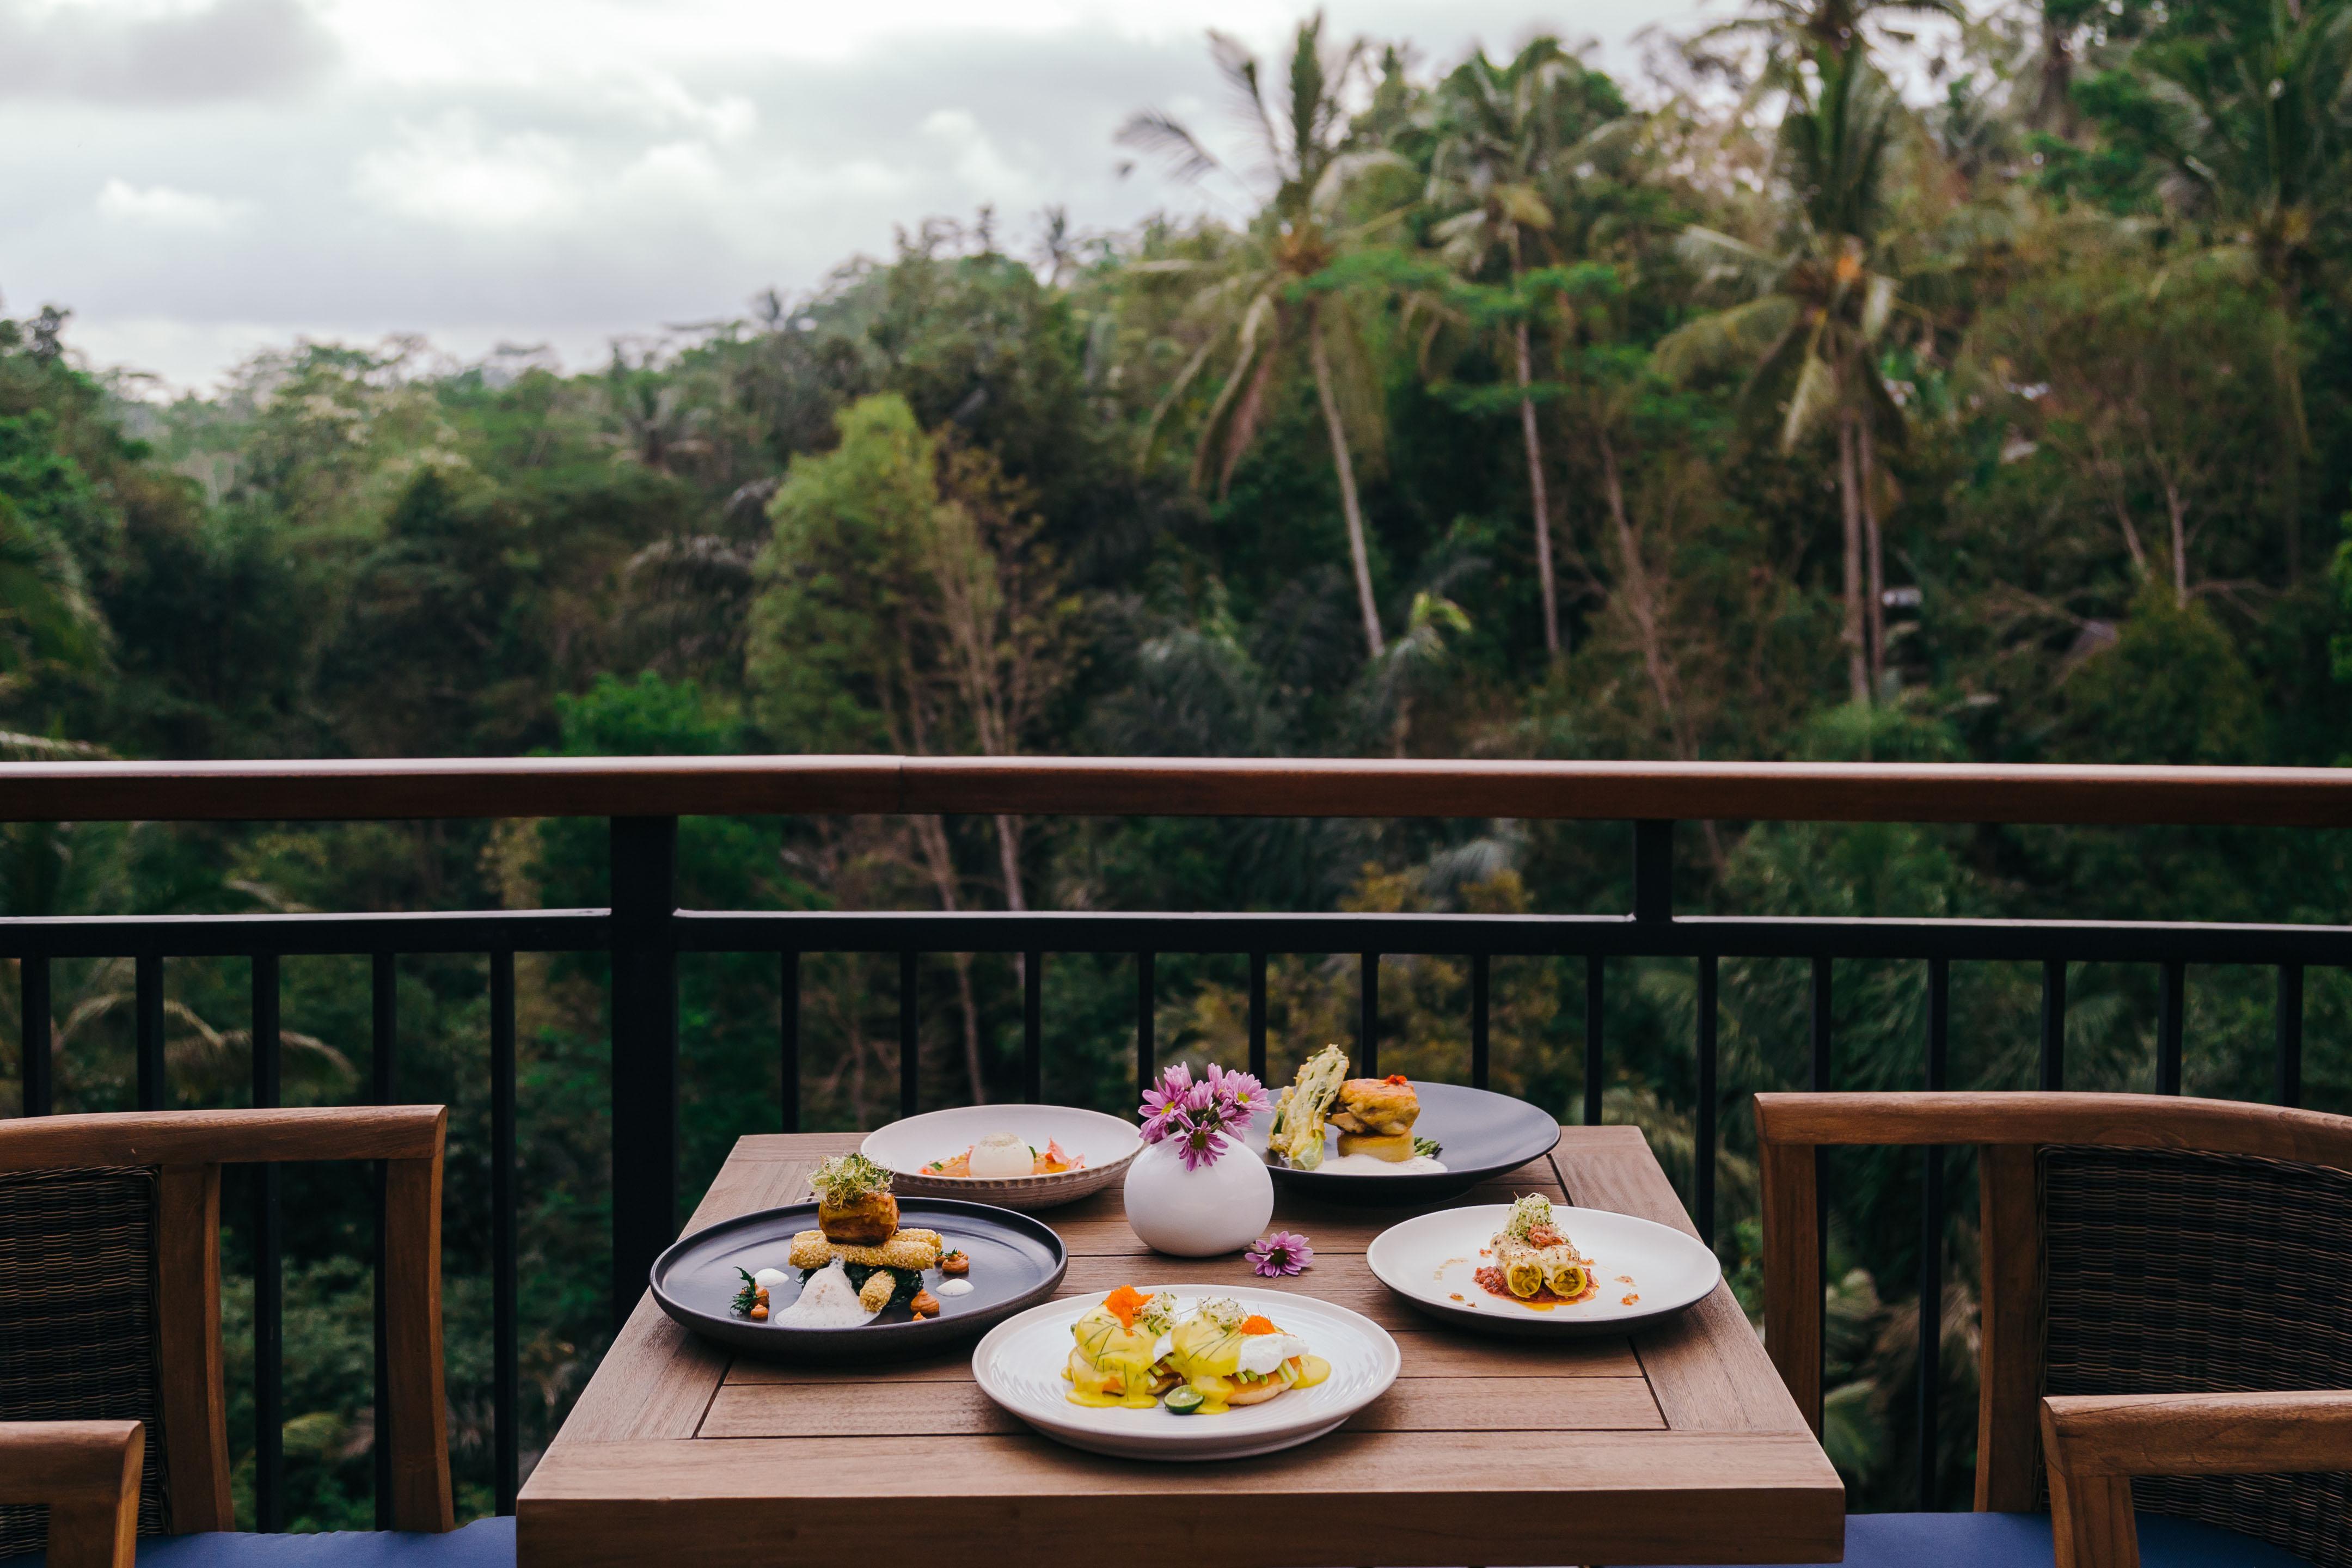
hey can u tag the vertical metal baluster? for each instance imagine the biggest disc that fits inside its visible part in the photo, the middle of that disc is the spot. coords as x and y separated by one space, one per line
1480 984
1033 1026
505 1348
147 1004
1592 1017
383 1071
1654 871
788 1042
2171 1022
2053 1023
910 1041
2290 1034
1368 1016
645 1051
1258 1015
1706 1054
1822 1025
268 1301
33 1007
1147 1052
1931 1237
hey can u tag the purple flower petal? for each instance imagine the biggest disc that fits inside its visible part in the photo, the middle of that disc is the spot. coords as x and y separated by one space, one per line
1283 1252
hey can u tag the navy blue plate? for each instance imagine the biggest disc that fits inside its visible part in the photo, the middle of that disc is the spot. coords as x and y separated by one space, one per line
1016 1262
1485 1135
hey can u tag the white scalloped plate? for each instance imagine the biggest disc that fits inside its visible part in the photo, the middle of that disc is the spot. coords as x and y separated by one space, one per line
1431 1259
1107 1144
1019 1364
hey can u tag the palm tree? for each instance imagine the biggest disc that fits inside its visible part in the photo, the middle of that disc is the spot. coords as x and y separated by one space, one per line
2256 126
1256 301
1821 308
1504 139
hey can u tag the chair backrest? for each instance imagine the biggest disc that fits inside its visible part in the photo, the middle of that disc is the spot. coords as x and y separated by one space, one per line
2133 1244
77 1318
109 1290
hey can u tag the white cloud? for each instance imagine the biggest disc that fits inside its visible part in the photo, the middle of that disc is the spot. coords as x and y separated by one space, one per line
448 173
161 207
564 170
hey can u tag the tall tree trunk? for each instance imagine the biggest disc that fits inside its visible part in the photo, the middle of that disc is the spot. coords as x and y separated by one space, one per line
1877 607
1347 472
1857 668
1539 503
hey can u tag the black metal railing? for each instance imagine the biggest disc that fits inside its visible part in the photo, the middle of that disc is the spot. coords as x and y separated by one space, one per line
644 933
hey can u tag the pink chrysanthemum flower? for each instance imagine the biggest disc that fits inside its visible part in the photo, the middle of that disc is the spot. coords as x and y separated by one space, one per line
1284 1252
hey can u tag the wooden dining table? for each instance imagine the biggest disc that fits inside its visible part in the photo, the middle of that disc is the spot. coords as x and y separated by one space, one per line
1675 1443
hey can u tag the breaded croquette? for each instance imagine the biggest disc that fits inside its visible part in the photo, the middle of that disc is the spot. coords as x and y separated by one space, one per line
1383 1107
906 1249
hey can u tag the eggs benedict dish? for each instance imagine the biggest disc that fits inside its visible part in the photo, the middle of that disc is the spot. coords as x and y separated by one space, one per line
1115 1359
1226 1357
1135 1350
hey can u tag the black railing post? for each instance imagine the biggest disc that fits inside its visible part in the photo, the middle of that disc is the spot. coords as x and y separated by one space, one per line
1367 1017
911 1036
33 999
1705 1047
384 984
645 1051
1033 1026
1481 984
268 1301
147 1004
2171 1014
506 1349
1931 1239
1654 871
1258 1015
2290 1034
788 1024
2053 1023
1147 1005
1595 1015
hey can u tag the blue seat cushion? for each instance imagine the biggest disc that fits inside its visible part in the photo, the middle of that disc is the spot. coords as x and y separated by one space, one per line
485 1543
2022 1541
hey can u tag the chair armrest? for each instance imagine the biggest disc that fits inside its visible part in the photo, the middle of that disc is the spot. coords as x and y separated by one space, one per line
87 1473
2094 1443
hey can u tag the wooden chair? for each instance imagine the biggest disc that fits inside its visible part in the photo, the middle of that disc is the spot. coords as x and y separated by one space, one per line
110 1324
2167 1296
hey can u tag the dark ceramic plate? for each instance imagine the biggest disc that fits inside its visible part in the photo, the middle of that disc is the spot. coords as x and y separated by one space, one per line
1016 1262
1485 1135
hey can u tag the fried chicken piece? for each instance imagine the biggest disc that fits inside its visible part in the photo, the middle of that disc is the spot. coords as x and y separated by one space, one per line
1382 1106
859 1219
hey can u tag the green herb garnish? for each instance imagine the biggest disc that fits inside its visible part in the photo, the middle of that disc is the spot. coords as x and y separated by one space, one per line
1428 1148
847 1177
1529 1212
748 1297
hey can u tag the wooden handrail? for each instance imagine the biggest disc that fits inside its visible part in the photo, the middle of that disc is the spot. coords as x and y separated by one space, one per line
1096 786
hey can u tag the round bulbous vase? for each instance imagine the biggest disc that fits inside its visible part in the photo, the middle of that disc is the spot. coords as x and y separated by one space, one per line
1216 1208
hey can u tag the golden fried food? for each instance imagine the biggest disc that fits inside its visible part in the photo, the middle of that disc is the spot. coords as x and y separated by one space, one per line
1394 1147
906 1249
1382 1106
861 1219
876 1293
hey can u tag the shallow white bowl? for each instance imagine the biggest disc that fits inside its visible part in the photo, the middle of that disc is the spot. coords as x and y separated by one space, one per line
1019 1364
1107 1144
1430 1260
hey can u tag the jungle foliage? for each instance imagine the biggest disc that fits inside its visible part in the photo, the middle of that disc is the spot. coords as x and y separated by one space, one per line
1754 410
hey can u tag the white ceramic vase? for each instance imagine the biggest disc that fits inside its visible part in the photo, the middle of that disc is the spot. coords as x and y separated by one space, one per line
1217 1208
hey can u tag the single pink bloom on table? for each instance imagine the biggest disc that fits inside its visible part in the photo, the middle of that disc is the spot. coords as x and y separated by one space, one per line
1284 1252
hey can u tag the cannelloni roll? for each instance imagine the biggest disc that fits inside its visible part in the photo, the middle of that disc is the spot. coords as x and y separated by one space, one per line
1522 1266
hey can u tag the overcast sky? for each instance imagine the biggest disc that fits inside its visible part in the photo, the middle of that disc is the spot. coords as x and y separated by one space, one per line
196 179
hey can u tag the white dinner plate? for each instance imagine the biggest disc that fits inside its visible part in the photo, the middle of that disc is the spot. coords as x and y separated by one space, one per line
1645 1270
1019 1364
1107 1144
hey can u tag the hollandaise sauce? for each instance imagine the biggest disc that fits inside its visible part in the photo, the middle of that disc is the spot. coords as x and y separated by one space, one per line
1228 1361
1111 1364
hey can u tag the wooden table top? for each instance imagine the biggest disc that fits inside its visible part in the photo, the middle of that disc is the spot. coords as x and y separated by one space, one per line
1676 1445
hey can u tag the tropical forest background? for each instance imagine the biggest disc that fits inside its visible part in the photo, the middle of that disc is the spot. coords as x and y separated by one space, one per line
1746 408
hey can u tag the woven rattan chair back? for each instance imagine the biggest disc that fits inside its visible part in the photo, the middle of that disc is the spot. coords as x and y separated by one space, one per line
78 1323
2173 1272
